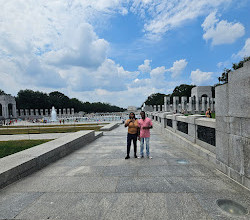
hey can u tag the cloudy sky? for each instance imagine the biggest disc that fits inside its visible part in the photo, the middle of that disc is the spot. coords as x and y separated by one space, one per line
119 51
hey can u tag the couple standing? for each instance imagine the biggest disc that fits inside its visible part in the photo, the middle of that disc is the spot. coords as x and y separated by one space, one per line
138 129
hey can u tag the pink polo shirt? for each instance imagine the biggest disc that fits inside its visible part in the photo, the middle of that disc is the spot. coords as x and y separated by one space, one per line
145 123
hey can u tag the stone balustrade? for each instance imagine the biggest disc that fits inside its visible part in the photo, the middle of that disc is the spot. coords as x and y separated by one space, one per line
196 129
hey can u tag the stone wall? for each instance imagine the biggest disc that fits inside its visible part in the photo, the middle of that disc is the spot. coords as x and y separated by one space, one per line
194 132
233 125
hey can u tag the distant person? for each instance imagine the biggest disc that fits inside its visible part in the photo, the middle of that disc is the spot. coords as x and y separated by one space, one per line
209 113
145 124
132 124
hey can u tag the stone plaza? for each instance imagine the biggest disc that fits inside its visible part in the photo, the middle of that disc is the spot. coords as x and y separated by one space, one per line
95 182
200 168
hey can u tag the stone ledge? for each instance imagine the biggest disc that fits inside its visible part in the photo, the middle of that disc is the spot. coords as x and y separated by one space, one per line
110 126
21 164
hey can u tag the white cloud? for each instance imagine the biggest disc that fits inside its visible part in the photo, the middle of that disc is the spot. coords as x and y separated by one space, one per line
167 15
178 67
82 48
145 68
221 32
245 51
200 78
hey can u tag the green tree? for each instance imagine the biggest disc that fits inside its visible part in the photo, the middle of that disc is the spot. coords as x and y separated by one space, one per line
182 90
59 100
29 99
2 92
155 99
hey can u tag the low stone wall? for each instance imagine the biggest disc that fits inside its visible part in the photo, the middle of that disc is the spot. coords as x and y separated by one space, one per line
109 127
196 129
21 164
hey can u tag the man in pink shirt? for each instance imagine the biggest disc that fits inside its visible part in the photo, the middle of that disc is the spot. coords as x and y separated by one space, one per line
145 124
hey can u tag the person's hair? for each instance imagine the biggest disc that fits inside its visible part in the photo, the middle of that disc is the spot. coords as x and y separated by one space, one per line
208 108
132 113
143 112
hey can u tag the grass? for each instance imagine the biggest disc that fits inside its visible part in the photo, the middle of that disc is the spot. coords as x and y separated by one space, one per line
11 147
42 130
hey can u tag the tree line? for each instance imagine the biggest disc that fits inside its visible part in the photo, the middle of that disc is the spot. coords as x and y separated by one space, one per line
29 99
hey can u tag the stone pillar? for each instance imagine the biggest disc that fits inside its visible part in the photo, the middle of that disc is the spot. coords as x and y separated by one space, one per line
32 112
21 112
72 111
68 111
27 112
184 103
171 108
154 108
208 102
159 108
36 112
14 110
64 112
167 98
203 105
175 103
197 107
17 113
60 113
46 112
41 112
212 104
165 103
5 111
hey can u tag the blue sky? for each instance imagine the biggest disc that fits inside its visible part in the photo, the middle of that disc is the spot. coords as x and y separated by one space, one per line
119 51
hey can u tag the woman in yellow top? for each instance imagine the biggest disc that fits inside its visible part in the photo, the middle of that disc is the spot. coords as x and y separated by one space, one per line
132 124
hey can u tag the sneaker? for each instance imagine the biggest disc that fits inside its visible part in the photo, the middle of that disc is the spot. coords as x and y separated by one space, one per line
127 157
135 156
140 157
149 157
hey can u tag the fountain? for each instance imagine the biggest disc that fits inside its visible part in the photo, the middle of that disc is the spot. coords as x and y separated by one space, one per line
53 114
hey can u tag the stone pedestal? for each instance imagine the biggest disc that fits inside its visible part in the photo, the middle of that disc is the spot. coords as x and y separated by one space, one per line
27 112
21 112
167 103
184 103
175 103
203 104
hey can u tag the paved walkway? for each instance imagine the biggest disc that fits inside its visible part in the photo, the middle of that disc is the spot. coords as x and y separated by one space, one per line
96 182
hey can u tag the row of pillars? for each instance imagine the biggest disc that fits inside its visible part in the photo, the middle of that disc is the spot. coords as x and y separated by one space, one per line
191 104
44 112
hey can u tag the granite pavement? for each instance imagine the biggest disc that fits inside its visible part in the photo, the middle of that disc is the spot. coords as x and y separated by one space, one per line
96 182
